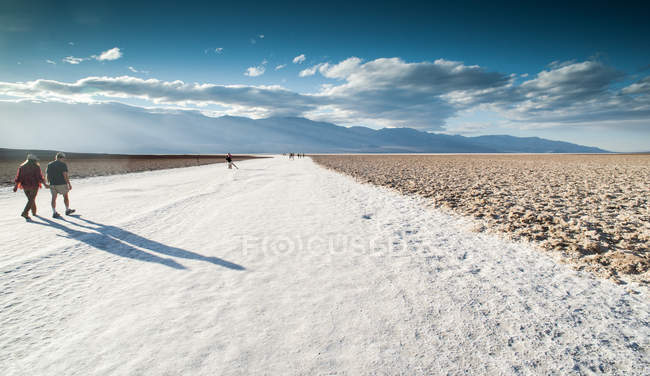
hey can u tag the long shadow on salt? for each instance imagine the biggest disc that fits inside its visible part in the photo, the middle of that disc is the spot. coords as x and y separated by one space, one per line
122 243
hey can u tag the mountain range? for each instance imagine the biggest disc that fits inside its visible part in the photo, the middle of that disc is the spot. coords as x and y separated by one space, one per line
118 128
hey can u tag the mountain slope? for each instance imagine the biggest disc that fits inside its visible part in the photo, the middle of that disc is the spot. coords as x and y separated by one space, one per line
118 128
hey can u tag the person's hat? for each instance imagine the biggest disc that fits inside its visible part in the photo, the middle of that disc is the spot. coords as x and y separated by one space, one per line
60 155
32 157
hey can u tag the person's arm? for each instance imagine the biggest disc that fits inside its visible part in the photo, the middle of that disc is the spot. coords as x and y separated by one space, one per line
43 179
17 180
67 180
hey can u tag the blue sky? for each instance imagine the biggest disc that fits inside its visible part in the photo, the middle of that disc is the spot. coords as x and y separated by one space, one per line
576 72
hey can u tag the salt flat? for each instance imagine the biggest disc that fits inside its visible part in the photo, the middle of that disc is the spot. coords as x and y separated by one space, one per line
284 267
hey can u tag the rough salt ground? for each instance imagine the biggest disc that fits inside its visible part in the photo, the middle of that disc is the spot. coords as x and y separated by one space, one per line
591 209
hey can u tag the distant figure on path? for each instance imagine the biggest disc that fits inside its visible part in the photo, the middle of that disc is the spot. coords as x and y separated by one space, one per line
229 160
29 177
57 175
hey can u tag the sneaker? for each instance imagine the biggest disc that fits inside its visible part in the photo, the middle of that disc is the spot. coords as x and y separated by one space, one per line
56 215
69 211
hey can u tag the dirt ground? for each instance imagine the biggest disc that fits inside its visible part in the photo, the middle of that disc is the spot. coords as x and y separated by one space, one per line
85 165
590 209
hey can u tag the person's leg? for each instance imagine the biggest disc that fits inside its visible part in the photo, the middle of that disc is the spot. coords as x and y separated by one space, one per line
66 201
27 206
53 200
34 202
30 202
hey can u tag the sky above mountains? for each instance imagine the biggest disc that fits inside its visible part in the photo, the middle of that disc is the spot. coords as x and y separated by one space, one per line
576 72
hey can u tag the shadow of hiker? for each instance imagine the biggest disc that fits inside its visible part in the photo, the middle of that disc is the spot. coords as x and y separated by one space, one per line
121 243
109 244
139 241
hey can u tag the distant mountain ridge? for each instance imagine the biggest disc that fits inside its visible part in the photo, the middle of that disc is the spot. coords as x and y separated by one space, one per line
118 128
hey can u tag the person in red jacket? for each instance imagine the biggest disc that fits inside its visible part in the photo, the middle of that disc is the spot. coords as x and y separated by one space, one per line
29 177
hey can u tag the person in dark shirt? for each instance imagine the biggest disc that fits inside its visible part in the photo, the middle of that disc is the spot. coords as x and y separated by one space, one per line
57 175
29 178
229 160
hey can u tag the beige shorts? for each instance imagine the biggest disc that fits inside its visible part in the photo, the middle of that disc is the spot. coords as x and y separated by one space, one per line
60 189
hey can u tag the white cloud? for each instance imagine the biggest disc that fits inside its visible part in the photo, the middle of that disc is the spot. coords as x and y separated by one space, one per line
310 71
73 60
50 62
108 55
132 69
280 66
71 43
262 100
391 92
255 71
641 87
254 39
217 50
299 59
342 69
112 54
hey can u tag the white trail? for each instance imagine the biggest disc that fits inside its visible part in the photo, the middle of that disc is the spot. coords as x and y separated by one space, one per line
283 267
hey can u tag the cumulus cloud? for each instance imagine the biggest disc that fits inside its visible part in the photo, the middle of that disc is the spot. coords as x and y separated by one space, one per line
108 55
573 92
310 71
342 69
299 59
261 100
255 71
641 87
50 62
391 92
112 54
281 66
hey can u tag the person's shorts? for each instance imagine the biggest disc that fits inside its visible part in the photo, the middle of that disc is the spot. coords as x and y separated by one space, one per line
60 189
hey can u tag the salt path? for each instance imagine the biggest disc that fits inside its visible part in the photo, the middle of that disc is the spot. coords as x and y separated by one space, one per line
284 267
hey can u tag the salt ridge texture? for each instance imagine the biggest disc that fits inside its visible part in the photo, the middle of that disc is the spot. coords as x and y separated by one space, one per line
590 209
284 267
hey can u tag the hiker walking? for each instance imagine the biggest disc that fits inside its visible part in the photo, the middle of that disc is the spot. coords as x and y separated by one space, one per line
230 162
29 178
57 176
